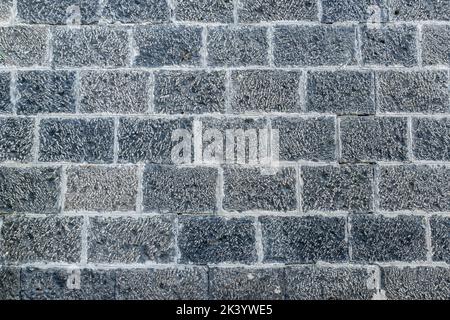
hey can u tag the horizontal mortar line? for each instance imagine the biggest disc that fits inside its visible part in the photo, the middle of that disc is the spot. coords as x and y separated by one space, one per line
414 264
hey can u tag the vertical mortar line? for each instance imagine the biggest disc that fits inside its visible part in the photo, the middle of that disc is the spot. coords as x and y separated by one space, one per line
410 139
229 94
376 91
14 12
176 235
379 294
13 91
151 93
299 187
338 139
198 141
220 190
348 236
131 46
204 48
358 45
116 140
236 5
171 4
270 46
259 241
428 239
319 10
77 91
419 44
376 192
140 190
49 46
63 188
302 88
84 240
36 140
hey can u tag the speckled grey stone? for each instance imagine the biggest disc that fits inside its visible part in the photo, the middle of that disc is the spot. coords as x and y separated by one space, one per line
5 92
33 190
182 283
205 10
9 283
167 45
121 92
45 92
101 188
131 240
414 187
246 284
204 240
421 92
6 10
170 189
414 10
16 139
346 188
277 10
304 239
431 139
341 92
311 139
374 139
314 45
47 239
435 48
421 283
191 92
440 238
126 11
367 11
237 46
328 283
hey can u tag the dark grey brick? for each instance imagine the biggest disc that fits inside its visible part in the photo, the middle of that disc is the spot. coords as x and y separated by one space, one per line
423 91
329 283
435 48
277 10
246 284
346 188
47 239
6 10
179 190
182 283
249 189
131 240
314 45
90 46
5 92
411 187
440 238
413 10
431 139
76 140
100 94
421 283
16 139
204 10
189 92
101 188
265 91
374 139
34 190
23 46
126 11
204 240
354 10
9 283
389 45
167 46
233 46
342 92
45 92
304 239
380 238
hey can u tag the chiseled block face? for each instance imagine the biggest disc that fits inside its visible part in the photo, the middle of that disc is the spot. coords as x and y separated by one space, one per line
220 11
16 139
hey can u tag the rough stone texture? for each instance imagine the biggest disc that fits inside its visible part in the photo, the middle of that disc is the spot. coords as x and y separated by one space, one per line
6 10
413 10
367 11
440 233
435 48
431 139
126 11
5 92
204 10
16 139
9 283
277 10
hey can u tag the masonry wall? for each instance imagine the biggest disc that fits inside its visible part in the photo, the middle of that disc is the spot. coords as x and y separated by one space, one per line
92 207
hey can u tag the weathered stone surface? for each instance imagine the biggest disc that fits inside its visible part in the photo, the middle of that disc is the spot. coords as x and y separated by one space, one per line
136 11
5 92
277 10
9 283
205 10
367 11
435 48
6 10
413 10
431 139
16 139
440 238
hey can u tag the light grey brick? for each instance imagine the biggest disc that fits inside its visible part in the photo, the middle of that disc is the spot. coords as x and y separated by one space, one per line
354 10
204 10
440 238
435 48
131 240
16 139
277 10
6 7
431 139
5 92
96 188
304 239
413 10
9 283
126 11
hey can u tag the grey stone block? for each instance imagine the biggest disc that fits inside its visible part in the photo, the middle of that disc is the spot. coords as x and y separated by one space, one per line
421 283
431 139
5 92
99 92
374 139
101 188
440 238
204 10
341 92
33 190
47 239
304 239
389 45
76 140
246 284
346 188
237 46
16 139
414 187
435 48
169 189
380 238
6 10
422 91
366 11
413 10
126 11
9 283
131 240
167 46
182 283
204 240
45 92
314 45
277 10
189 92
90 46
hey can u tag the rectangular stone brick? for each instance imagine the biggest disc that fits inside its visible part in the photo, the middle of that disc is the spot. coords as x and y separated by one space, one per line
341 92
131 240
347 188
136 11
168 189
277 10
76 140
435 48
413 10
365 11
204 240
6 10
45 92
237 46
159 46
101 188
204 10
304 239
47 239
32 190
374 139
5 92
16 139
431 139
9 283
314 45
414 187
440 238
